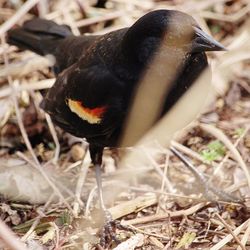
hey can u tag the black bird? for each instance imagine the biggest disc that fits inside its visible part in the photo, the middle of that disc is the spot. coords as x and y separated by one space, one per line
97 75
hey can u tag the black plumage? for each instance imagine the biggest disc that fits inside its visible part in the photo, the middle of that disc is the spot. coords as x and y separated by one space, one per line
103 71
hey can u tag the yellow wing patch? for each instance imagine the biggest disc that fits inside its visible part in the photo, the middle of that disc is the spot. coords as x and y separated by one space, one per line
92 116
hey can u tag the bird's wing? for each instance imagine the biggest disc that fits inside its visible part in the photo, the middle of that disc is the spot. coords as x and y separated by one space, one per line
86 102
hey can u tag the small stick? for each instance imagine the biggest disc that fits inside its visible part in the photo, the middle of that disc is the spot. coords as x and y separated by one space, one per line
9 238
235 153
55 138
43 7
246 236
43 173
226 18
203 181
230 202
17 110
37 220
35 161
83 6
228 154
147 233
80 182
93 20
199 176
165 180
229 237
17 16
189 152
230 231
184 212
89 200
68 19
201 5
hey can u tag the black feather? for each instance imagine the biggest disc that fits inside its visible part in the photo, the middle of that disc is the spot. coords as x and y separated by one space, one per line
105 70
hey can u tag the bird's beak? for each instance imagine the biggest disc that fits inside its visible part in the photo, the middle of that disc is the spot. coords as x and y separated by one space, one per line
204 42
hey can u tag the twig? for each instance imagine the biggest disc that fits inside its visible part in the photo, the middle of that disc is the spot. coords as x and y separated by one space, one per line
164 179
203 181
55 138
83 6
150 234
107 17
57 236
73 165
40 169
230 231
235 153
23 131
17 110
36 163
37 220
80 182
198 199
159 171
27 63
43 7
229 237
227 18
9 238
184 212
201 5
43 84
17 16
131 206
190 166
236 186
228 154
68 19
131 243
189 152
89 200
246 236
162 193
147 233
244 85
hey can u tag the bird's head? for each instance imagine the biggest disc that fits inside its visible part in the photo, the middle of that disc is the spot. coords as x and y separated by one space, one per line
170 28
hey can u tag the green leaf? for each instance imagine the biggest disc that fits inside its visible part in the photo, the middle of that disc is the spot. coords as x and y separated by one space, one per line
186 240
239 132
214 151
51 145
64 220
215 29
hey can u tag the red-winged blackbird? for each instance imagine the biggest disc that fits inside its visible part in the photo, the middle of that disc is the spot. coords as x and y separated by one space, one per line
97 75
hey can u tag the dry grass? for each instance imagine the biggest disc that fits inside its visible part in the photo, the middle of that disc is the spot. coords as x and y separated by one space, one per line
49 194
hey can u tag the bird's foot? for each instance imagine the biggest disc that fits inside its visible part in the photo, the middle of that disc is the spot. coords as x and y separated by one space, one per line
108 232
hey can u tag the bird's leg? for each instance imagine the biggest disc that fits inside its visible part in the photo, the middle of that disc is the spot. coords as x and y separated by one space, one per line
98 176
109 227
108 231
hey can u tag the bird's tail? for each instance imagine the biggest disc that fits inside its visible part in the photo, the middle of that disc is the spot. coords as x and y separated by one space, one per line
38 35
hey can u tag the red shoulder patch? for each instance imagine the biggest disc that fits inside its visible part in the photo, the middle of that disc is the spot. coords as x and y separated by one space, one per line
91 115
